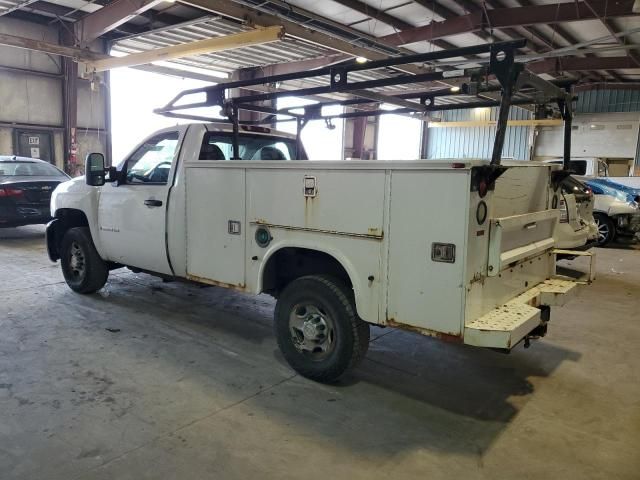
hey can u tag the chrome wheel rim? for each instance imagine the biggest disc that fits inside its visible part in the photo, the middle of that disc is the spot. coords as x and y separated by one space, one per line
77 263
312 331
603 230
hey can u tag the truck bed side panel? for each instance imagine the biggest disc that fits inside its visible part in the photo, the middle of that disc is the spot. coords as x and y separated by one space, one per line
427 207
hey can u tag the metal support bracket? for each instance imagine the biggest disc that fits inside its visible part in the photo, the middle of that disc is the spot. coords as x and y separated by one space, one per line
586 277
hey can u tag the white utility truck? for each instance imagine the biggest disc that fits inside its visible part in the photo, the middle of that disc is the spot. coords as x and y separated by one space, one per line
436 247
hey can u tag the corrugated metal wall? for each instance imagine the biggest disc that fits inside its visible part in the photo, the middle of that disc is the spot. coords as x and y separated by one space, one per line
477 142
602 101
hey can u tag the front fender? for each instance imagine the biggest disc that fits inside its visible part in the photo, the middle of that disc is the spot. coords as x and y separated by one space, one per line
77 195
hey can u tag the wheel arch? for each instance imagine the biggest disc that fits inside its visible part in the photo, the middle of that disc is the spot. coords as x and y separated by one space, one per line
286 262
64 219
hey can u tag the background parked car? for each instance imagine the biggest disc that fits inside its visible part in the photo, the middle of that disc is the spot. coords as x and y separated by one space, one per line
25 190
616 210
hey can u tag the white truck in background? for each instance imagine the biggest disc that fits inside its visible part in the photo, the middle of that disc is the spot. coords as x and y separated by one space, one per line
596 167
436 247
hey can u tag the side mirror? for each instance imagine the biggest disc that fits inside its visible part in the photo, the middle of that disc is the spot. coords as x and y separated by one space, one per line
94 170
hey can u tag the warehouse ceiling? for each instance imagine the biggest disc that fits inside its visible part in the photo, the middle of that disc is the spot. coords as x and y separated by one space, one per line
319 33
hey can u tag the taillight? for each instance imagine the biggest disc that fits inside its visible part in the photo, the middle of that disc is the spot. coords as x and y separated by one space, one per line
564 211
10 192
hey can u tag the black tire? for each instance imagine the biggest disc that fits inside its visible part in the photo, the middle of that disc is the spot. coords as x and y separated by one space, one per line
346 336
606 229
83 269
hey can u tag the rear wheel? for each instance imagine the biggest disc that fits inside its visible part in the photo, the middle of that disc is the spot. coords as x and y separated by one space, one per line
317 328
606 229
83 269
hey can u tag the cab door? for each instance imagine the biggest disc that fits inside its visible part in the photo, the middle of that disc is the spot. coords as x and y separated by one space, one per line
132 213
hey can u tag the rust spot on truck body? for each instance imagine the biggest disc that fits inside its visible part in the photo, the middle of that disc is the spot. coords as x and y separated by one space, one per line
308 210
240 288
447 337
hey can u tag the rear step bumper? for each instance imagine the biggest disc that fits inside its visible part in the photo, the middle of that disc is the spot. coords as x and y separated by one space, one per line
505 326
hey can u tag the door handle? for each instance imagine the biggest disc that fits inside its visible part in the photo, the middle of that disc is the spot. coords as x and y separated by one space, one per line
150 202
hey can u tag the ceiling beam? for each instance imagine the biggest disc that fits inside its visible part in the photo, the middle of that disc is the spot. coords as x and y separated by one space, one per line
513 17
611 29
109 17
375 14
17 7
572 64
44 12
78 54
400 24
468 6
299 65
257 36
252 17
559 32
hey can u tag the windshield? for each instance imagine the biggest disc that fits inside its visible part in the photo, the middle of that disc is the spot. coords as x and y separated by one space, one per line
219 146
18 168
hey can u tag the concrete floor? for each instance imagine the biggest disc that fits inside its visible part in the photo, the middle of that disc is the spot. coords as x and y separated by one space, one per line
169 381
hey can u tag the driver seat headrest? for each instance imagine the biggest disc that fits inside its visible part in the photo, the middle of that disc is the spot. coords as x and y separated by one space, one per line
269 153
211 151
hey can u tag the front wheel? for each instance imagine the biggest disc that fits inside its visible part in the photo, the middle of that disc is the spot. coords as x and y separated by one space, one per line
317 328
83 269
606 229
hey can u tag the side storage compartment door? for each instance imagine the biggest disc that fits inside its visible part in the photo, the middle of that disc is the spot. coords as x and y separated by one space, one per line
427 208
216 225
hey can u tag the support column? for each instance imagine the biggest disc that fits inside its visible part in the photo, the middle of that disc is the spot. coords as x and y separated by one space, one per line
70 116
361 138
107 120
359 130
424 146
249 74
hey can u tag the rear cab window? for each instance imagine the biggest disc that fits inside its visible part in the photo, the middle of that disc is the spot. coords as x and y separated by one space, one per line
219 146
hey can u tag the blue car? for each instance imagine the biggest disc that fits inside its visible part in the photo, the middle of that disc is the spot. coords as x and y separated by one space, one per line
633 194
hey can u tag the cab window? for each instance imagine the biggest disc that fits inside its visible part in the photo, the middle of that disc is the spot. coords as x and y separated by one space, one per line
579 167
151 162
603 169
219 146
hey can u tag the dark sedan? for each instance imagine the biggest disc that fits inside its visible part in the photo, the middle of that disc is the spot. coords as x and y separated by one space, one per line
25 190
